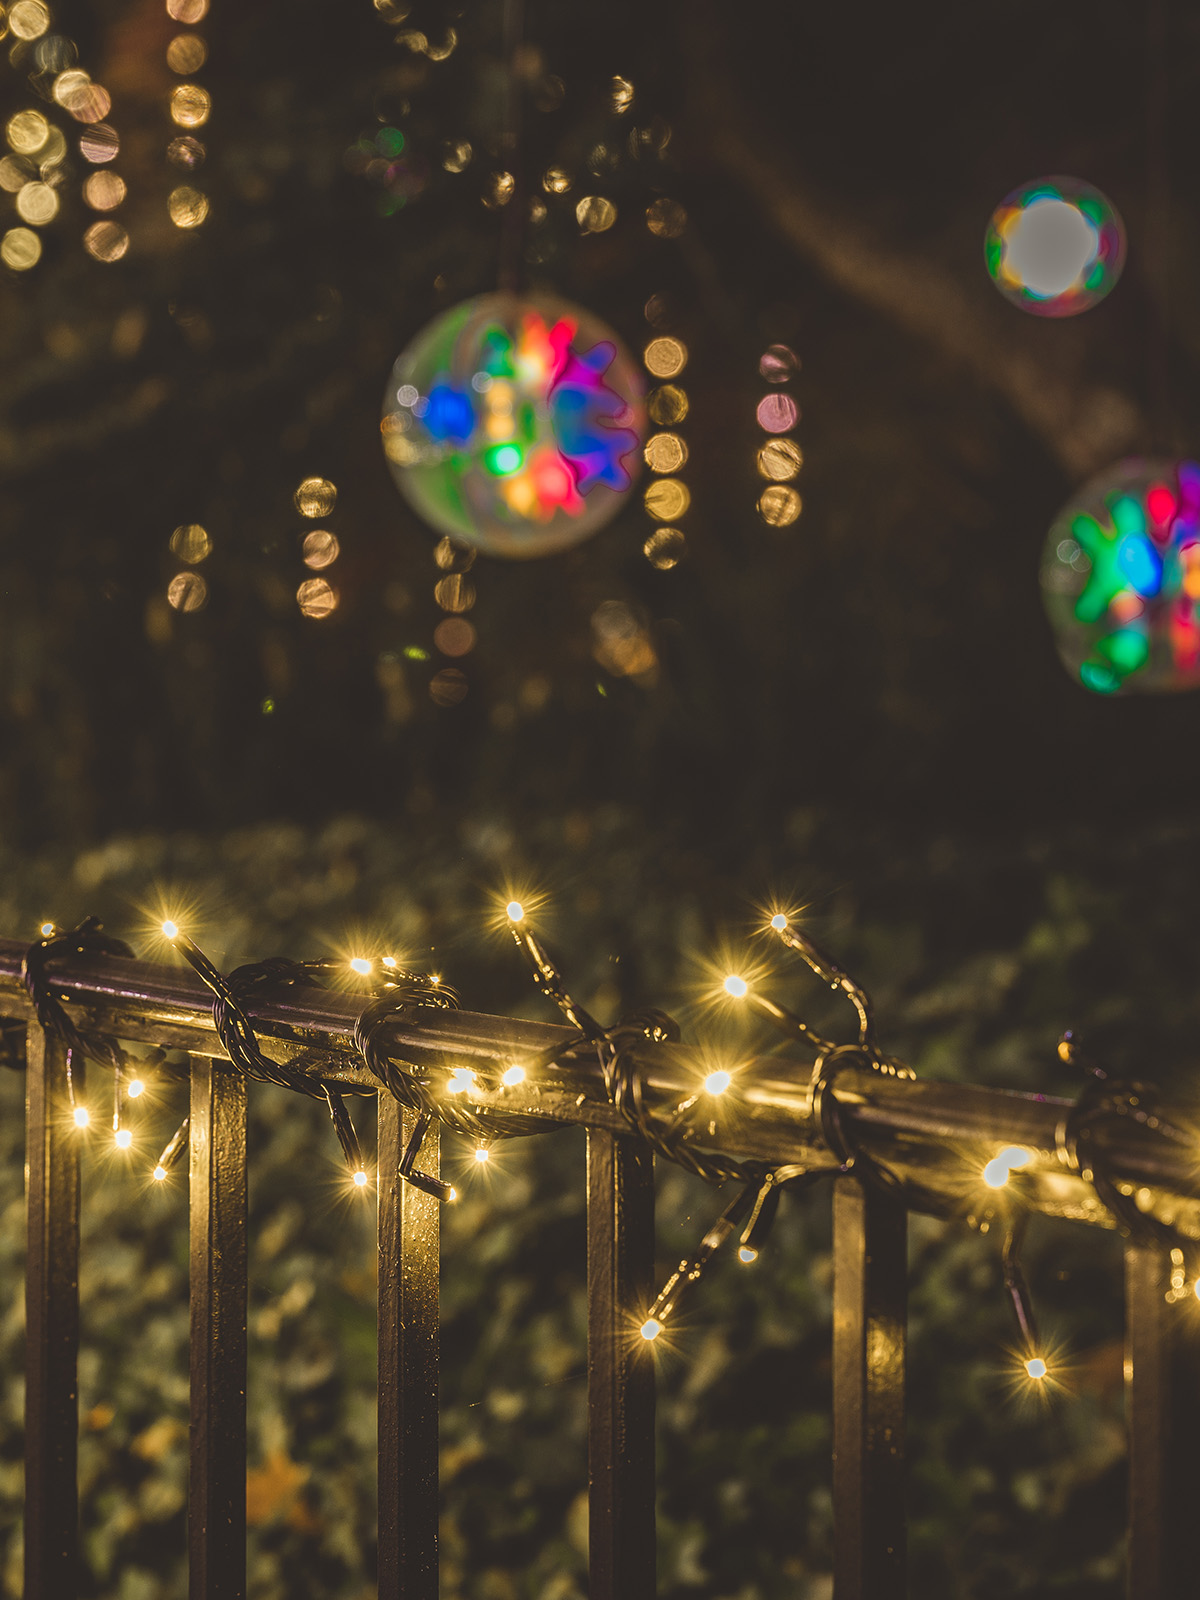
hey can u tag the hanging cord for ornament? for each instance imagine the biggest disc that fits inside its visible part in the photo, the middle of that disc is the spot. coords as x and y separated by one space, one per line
512 228
88 938
1017 1286
1104 1100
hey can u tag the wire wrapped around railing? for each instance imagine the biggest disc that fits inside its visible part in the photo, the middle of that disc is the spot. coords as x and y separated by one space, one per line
469 1099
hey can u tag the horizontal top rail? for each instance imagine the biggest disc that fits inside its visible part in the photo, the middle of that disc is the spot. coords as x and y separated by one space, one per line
937 1135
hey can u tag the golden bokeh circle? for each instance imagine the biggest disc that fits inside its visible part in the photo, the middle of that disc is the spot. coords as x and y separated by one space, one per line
104 191
667 499
780 459
187 591
667 405
27 132
187 207
190 105
316 598
320 549
20 249
106 241
315 497
595 214
665 452
186 53
665 358
779 506
665 548
37 203
191 543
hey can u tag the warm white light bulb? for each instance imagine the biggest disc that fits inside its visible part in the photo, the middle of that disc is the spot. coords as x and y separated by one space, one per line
360 1178
123 1138
512 1077
82 1116
651 1328
1036 1368
736 987
515 911
995 1174
482 1154
461 1079
779 922
717 1082
47 929
453 1195
747 1255
170 931
160 1173
136 1087
388 961
360 966
1011 1159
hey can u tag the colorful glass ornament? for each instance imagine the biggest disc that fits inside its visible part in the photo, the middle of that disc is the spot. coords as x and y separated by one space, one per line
1055 246
515 424
1121 579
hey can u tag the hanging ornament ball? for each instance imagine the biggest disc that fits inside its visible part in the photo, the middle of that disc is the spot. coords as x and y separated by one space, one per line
1055 247
1121 579
515 424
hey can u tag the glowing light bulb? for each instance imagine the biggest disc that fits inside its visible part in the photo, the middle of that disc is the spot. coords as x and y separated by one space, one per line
136 1087
747 1255
717 1082
170 931
651 1328
515 911
453 1195
779 922
461 1079
512 1077
388 961
82 1116
736 987
435 978
1011 1159
360 1178
123 1138
47 929
1036 1368
482 1154
160 1173
995 1174
360 966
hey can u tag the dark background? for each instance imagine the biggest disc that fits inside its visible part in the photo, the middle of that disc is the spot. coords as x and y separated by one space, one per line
863 712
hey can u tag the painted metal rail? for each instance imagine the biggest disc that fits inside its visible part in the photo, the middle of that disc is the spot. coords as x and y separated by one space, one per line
934 1137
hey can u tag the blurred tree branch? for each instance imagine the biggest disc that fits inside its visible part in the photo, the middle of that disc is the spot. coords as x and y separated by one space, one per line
1083 423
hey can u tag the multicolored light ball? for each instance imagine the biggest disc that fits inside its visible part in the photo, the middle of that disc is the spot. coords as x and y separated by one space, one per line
1055 247
515 424
1121 579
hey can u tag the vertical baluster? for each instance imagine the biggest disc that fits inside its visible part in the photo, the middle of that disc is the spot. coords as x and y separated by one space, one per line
408 1365
51 1326
1162 1394
621 1539
869 1317
217 1483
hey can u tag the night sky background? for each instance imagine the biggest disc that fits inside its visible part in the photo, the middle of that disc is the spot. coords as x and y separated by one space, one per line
862 710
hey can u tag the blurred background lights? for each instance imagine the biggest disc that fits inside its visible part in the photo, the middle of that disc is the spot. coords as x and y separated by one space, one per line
668 405
665 548
187 591
1120 579
190 105
320 549
595 214
666 499
106 241
186 152
523 435
191 543
448 687
620 95
28 19
778 506
779 460
665 358
20 249
556 180
99 144
665 452
1055 246
315 497
316 598
777 413
454 636
37 203
778 363
187 207
27 132
104 191
186 53
188 12
666 219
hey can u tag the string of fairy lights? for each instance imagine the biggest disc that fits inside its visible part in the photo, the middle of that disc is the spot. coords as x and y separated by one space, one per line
470 1100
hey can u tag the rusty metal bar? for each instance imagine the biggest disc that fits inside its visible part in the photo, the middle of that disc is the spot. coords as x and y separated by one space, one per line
51 1326
620 1255
217 1481
918 1129
409 1227
870 1272
1162 1389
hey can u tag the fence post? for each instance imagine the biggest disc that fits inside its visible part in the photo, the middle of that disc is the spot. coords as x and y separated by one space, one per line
217 1480
408 1364
870 1270
1162 1397
620 1255
51 1325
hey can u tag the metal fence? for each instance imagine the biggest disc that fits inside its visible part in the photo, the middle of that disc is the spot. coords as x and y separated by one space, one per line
930 1139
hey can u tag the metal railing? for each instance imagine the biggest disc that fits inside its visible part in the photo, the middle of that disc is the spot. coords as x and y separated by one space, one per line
931 1139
